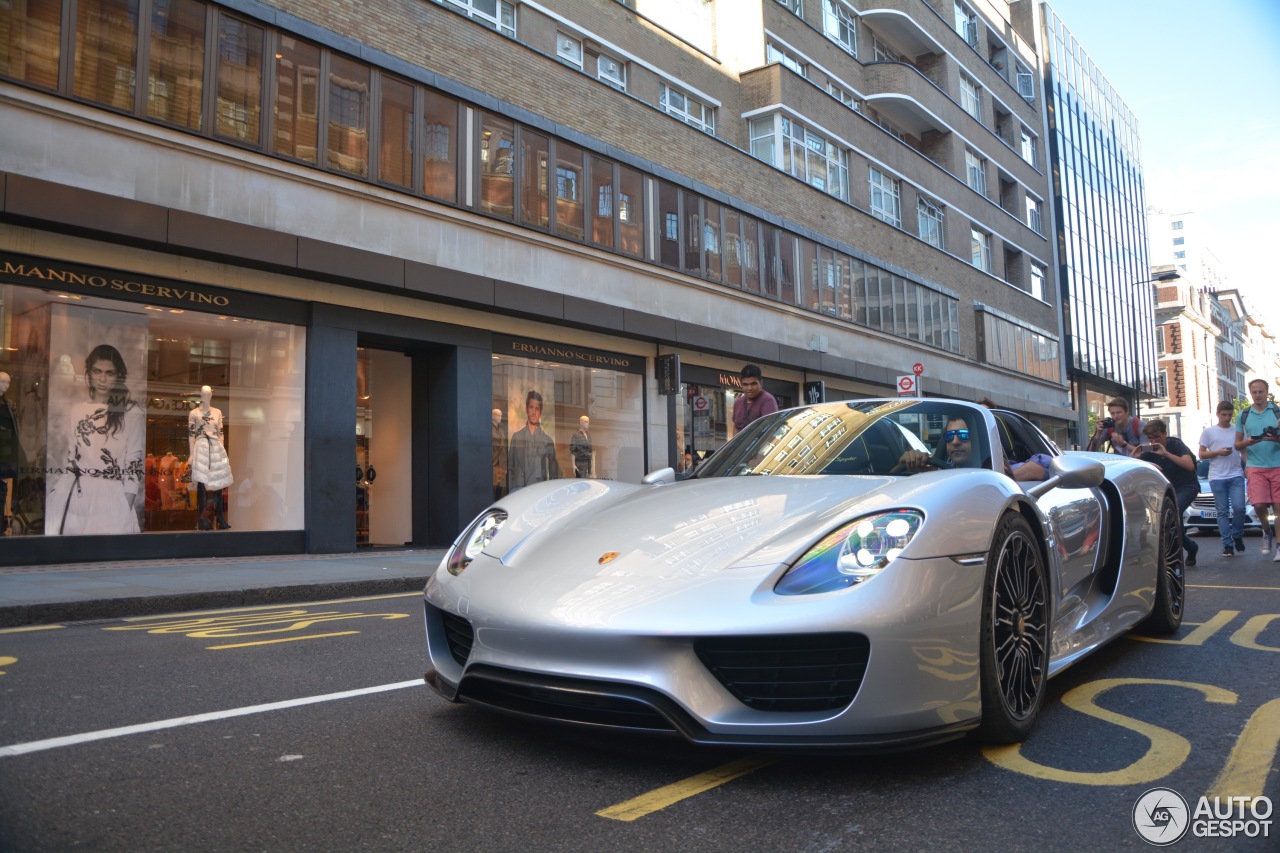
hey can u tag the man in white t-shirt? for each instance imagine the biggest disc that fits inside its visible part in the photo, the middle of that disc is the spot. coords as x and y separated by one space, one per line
1226 478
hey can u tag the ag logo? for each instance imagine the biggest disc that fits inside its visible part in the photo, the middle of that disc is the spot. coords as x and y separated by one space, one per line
1161 816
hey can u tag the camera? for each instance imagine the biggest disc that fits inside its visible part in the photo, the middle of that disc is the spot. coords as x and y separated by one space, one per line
1270 432
1108 423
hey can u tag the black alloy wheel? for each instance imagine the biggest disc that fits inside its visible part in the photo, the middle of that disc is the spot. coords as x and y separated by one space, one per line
1015 634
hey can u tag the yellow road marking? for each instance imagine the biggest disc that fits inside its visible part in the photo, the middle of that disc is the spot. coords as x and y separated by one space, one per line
1251 757
276 606
1166 753
7 661
30 628
1225 586
638 807
282 640
1197 637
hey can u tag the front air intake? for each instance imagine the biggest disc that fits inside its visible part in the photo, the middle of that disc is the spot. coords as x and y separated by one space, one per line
807 672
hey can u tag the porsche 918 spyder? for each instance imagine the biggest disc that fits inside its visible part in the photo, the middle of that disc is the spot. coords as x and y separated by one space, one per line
863 574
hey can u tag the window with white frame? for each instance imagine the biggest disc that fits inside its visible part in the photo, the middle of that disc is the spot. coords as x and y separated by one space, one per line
773 53
980 249
883 52
1028 147
975 172
845 97
1026 84
802 153
1034 218
967 24
969 97
569 49
929 216
612 71
886 203
840 25
1176 225
1178 241
1180 255
1162 384
1037 282
796 6
688 110
495 14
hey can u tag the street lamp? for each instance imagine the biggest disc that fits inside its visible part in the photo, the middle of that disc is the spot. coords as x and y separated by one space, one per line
1171 275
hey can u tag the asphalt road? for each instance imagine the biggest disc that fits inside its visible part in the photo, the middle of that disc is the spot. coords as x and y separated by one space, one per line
194 733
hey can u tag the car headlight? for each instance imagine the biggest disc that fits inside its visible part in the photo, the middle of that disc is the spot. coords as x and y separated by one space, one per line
474 540
853 553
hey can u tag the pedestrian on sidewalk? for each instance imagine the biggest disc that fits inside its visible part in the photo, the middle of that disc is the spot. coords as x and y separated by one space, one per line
1258 436
756 403
1178 464
1117 433
1226 478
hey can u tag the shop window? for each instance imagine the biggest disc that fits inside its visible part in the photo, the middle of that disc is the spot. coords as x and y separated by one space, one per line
538 428
105 395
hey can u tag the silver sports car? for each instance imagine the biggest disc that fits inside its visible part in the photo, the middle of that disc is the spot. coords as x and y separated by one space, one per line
862 574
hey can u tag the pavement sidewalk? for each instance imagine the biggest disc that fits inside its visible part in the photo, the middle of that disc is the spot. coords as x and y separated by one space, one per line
41 595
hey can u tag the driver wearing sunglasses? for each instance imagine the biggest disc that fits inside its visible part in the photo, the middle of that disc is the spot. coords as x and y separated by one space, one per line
956 450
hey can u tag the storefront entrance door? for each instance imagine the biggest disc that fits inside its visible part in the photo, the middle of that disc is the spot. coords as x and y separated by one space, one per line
384 449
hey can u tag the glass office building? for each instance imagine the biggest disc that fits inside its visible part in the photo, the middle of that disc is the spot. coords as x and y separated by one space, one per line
1100 211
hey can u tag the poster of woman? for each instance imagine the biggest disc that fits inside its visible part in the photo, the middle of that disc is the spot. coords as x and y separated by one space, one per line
97 422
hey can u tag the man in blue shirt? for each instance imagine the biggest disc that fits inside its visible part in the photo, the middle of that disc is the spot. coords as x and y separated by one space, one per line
1257 433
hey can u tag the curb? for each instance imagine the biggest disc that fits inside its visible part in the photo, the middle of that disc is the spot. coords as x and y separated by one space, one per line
151 605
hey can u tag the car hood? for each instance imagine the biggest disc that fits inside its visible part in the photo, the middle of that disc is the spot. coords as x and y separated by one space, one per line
570 542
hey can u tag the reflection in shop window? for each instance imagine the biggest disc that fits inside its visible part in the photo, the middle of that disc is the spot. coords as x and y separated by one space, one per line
611 400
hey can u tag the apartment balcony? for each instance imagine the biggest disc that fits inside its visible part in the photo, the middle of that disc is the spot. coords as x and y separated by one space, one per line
903 95
900 28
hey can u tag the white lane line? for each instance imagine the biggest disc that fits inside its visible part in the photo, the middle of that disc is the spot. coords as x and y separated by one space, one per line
72 740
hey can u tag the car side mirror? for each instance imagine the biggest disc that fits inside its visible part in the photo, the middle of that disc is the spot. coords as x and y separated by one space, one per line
1070 472
661 477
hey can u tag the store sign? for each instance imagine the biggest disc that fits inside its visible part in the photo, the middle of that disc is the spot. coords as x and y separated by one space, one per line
103 283
567 354
668 368
80 281
815 392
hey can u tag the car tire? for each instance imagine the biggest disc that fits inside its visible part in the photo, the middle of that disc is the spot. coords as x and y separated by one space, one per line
1015 634
1166 614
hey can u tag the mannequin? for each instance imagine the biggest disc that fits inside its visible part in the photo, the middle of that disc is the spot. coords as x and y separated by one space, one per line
10 450
210 468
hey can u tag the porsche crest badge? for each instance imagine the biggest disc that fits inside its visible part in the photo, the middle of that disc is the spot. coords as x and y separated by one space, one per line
607 557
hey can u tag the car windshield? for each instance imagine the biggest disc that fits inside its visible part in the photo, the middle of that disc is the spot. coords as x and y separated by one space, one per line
856 437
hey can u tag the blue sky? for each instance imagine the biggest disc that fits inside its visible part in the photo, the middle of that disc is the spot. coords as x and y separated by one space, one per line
1204 81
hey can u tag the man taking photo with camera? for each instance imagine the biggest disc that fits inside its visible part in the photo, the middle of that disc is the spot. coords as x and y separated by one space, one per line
1121 432
1257 434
